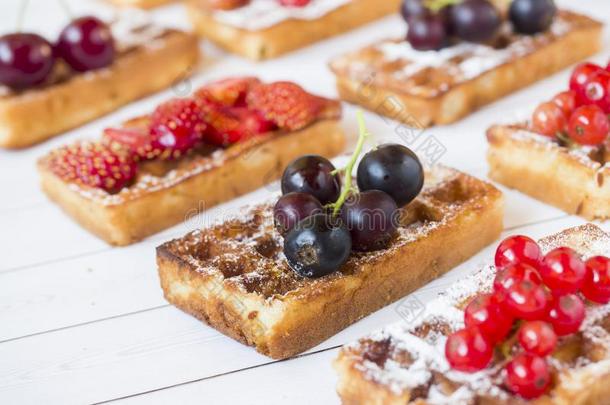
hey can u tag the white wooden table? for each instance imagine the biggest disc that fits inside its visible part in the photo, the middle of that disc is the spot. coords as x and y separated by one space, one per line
82 322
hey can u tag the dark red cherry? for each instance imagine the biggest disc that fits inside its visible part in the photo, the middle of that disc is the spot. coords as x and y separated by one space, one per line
86 44
25 60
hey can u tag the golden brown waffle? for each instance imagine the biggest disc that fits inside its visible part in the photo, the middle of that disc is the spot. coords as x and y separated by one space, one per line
577 180
289 34
405 363
144 64
235 277
439 87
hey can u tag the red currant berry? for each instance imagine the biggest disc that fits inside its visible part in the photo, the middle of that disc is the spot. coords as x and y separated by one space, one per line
468 350
548 119
537 337
517 249
562 271
526 300
566 313
580 77
566 100
486 313
588 125
597 281
528 376
597 91
512 275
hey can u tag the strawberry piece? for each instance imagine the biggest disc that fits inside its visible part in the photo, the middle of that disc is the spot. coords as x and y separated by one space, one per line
229 92
231 125
95 165
286 104
176 127
135 140
294 3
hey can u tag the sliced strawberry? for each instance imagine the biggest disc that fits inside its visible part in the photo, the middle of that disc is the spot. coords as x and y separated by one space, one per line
136 140
229 92
286 104
95 165
176 126
230 125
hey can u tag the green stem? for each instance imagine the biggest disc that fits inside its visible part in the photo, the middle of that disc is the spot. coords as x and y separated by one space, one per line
347 185
436 5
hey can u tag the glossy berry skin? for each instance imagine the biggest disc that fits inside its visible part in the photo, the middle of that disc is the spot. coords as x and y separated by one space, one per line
427 32
528 376
291 208
562 271
537 337
532 16
312 174
548 119
566 314
566 100
517 249
597 91
525 300
485 313
25 60
475 20
317 246
372 219
413 8
86 44
589 125
581 75
468 350
394 169
596 287
513 274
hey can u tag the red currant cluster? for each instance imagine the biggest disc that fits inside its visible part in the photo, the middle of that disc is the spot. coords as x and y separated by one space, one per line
535 300
580 114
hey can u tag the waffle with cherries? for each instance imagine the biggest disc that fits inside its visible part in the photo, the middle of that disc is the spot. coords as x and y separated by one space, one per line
263 29
231 137
422 88
413 363
140 58
235 277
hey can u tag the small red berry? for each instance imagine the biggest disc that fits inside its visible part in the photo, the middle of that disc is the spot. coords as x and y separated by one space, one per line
548 119
597 91
537 337
589 125
517 249
580 77
562 271
566 100
528 376
486 313
566 313
513 274
294 3
230 125
597 281
468 350
525 300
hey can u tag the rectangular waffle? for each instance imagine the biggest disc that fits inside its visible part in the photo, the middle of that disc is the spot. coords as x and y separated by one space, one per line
234 276
144 64
406 364
577 180
289 33
422 89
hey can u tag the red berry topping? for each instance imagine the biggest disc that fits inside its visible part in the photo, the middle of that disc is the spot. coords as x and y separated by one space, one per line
562 271
580 77
566 313
537 337
588 125
597 281
597 91
294 3
566 100
176 126
468 350
229 92
25 60
486 313
548 119
513 274
230 125
525 300
517 249
94 165
528 375
286 104
86 44
135 139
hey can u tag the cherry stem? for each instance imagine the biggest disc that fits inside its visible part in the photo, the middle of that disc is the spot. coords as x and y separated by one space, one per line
21 14
347 184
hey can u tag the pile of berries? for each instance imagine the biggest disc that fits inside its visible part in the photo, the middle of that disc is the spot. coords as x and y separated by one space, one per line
220 114
323 223
28 59
434 24
536 300
578 115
